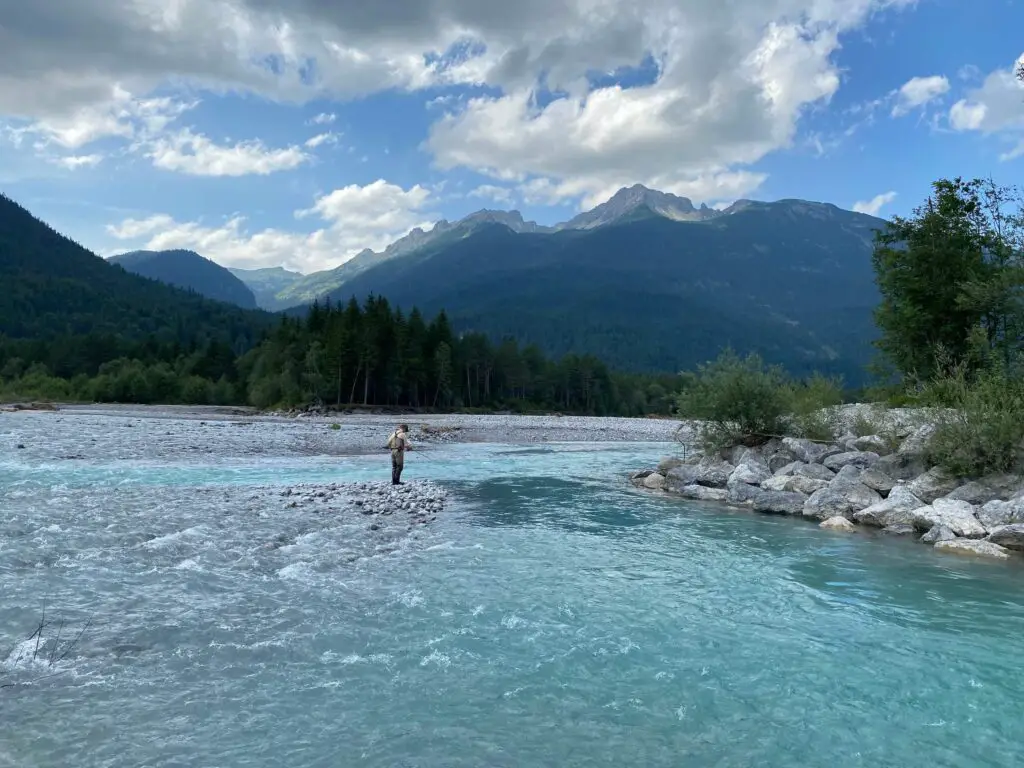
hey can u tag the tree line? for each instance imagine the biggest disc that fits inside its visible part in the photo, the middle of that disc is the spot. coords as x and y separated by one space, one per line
370 355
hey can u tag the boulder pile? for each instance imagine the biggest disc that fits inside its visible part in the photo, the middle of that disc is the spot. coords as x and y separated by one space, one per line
856 483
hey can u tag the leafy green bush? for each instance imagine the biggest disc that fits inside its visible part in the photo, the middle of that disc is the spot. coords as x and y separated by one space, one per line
743 401
984 429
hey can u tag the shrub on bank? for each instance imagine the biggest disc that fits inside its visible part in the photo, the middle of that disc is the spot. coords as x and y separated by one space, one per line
743 401
982 427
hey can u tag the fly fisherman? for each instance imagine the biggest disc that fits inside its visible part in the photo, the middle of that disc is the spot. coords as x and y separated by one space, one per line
398 442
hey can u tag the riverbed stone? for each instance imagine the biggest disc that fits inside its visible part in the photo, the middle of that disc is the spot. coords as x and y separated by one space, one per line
996 513
900 529
901 466
958 516
750 471
794 483
897 509
806 451
838 523
701 493
973 547
974 492
779 502
815 472
879 481
917 442
938 533
1009 536
742 493
710 471
669 462
654 481
934 484
859 459
844 496
872 444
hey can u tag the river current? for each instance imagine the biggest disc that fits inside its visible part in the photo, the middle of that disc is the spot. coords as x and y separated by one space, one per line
550 616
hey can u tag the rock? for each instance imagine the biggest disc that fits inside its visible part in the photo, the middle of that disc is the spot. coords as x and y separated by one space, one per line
701 493
779 502
637 478
779 460
934 484
900 466
938 533
805 450
844 496
859 459
917 442
742 493
752 471
900 529
958 516
789 469
709 471
1009 536
973 547
794 484
872 444
995 514
879 481
838 523
898 509
667 463
654 482
815 472
973 492
21 446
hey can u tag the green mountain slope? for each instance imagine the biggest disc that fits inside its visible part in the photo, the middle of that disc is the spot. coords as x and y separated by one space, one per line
53 287
188 270
791 280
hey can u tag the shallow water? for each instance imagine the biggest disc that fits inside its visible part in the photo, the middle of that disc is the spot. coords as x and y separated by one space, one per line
551 616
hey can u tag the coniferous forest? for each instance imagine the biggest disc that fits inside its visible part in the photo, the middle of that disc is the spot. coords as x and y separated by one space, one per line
372 355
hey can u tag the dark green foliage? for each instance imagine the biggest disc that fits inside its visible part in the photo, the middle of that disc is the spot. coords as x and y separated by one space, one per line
80 311
375 355
189 270
952 267
790 280
743 401
983 431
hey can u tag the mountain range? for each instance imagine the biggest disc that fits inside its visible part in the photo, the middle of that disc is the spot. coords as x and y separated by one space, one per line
189 270
645 281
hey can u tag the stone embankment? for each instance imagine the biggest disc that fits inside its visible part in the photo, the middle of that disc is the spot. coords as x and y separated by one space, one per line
858 483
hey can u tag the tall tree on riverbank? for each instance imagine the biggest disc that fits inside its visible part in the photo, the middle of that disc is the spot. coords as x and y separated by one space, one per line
951 275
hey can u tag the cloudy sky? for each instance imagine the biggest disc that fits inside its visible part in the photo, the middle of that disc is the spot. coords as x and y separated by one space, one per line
297 132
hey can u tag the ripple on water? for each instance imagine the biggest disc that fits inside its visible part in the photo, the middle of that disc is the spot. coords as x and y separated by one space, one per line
550 617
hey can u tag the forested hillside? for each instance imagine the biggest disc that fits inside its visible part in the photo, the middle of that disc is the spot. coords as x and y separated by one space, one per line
189 270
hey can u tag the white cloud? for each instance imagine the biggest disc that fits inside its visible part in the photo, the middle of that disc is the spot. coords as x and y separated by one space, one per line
321 138
873 206
492 192
324 118
354 217
71 162
919 91
996 107
732 78
196 155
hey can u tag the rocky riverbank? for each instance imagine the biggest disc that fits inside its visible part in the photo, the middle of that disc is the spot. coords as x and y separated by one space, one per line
857 483
416 503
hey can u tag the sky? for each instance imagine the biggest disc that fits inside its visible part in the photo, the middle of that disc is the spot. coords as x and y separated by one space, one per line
296 133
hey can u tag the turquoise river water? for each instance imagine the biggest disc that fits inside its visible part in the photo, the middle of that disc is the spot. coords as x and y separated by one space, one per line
551 616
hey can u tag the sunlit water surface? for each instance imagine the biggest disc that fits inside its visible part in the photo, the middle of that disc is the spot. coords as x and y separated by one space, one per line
552 616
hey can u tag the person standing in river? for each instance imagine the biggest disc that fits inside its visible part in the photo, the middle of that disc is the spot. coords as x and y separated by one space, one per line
398 442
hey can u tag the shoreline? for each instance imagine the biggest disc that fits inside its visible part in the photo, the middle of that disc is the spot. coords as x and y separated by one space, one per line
369 429
857 484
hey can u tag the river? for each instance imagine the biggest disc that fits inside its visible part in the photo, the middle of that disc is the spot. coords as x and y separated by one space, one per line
550 616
